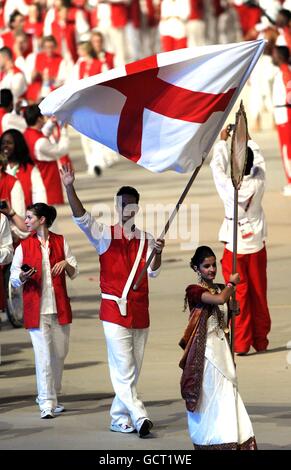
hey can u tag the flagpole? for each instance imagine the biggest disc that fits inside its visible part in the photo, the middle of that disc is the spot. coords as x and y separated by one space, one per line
234 309
170 220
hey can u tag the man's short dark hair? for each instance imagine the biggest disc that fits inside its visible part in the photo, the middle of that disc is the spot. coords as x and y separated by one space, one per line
283 52
250 161
7 52
128 190
13 16
6 98
31 114
286 14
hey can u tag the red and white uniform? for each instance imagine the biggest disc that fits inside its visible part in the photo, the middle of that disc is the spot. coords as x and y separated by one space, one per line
2 20
6 254
6 246
174 14
14 79
87 68
31 183
68 33
56 68
282 114
44 154
19 5
11 190
253 323
125 335
11 121
248 16
96 154
142 29
35 31
46 308
111 19
8 40
196 24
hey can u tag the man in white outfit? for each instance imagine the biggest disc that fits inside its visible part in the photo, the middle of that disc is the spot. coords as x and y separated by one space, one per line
123 250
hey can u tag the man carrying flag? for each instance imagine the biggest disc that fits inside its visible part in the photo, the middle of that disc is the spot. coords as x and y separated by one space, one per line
122 251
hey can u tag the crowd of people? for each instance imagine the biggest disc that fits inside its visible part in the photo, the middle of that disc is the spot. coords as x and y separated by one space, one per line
47 43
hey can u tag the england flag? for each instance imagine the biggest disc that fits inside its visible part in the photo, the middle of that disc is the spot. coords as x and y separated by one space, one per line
163 112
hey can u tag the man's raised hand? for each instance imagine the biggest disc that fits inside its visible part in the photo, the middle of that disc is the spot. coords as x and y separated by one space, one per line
67 175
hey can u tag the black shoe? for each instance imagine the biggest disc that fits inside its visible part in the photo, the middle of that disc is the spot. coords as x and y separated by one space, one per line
145 428
97 171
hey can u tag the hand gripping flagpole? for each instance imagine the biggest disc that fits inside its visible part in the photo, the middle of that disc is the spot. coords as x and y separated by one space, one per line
170 220
238 159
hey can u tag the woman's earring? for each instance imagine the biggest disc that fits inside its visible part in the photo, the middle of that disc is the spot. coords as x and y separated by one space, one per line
199 277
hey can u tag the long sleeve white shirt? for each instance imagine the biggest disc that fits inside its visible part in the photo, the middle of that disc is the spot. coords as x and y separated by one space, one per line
48 299
253 186
47 151
6 246
15 82
99 236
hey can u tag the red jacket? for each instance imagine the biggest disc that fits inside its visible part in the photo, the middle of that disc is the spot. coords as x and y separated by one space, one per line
32 256
49 170
6 185
115 267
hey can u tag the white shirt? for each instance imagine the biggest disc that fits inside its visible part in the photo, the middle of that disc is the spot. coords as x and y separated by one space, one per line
48 299
280 98
14 81
18 205
64 69
47 151
253 186
13 121
100 237
6 247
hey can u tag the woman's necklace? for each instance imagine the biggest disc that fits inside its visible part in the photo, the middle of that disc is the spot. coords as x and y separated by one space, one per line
212 289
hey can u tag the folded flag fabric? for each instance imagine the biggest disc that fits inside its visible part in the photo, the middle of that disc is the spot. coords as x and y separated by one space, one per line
163 112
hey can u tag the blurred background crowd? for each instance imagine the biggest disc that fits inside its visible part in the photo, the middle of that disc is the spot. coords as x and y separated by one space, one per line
47 43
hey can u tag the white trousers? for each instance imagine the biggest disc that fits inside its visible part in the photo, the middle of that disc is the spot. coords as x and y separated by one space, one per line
125 349
97 154
51 344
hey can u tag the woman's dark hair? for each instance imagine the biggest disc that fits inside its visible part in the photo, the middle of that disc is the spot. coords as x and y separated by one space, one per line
130 191
21 151
199 256
40 209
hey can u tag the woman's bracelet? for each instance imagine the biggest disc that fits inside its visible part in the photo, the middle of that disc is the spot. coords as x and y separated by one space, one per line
230 284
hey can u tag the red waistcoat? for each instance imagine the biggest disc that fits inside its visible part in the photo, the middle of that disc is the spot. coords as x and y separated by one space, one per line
6 185
42 62
115 267
49 170
32 288
66 32
24 176
101 64
151 14
2 113
196 10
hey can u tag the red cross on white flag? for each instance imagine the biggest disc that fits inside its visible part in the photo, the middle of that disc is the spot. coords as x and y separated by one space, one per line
163 112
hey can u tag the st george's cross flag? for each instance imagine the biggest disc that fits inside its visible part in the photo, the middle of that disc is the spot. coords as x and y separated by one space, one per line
163 112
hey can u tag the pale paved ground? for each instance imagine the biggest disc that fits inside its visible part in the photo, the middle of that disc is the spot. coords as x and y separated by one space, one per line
264 380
